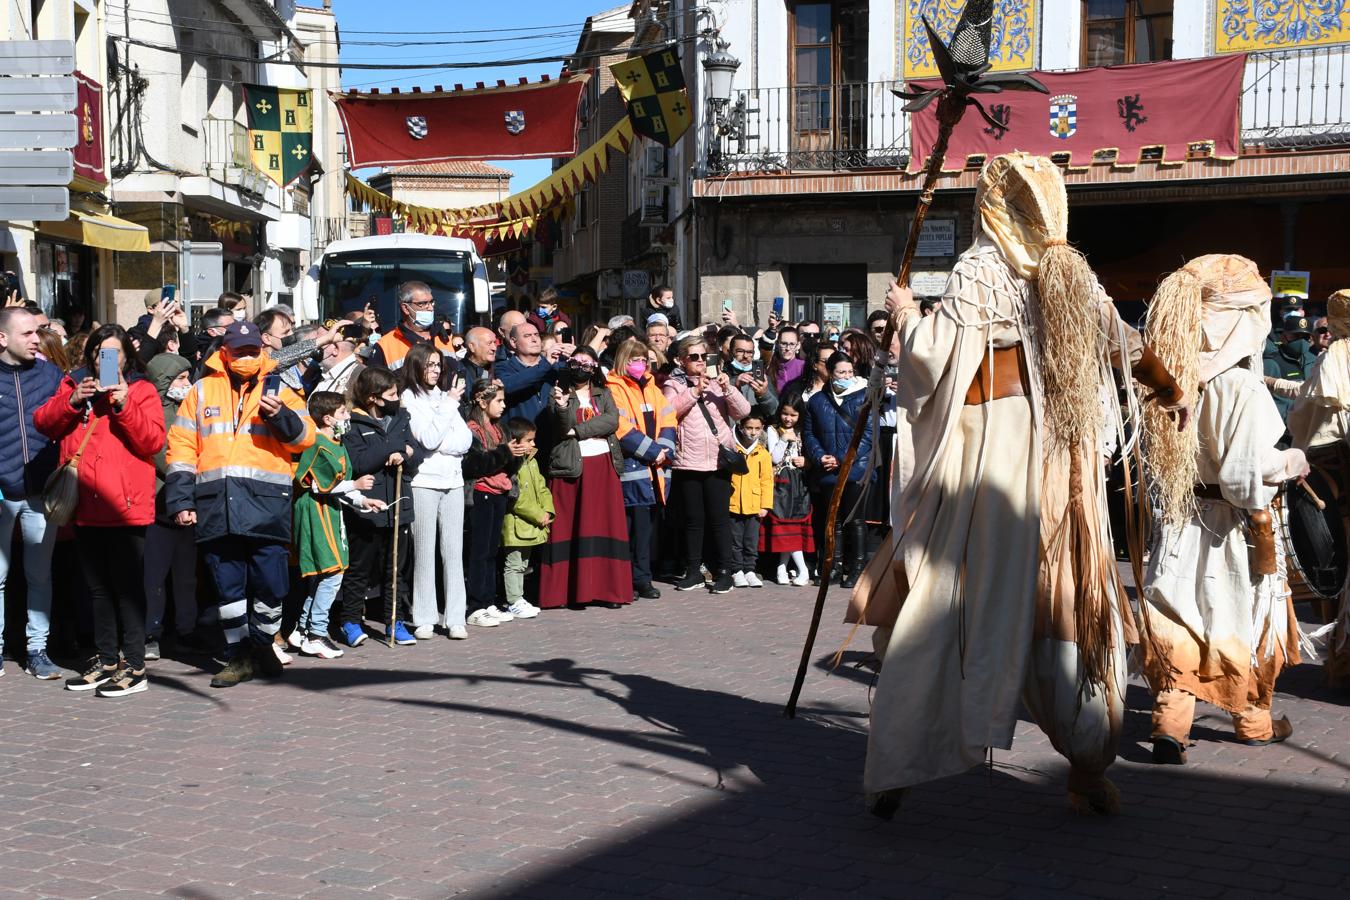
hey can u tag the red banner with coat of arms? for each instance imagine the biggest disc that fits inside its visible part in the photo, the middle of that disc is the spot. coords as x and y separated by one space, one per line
1123 108
88 149
518 121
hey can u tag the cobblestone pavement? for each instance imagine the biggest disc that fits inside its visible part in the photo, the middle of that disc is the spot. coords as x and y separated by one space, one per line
626 753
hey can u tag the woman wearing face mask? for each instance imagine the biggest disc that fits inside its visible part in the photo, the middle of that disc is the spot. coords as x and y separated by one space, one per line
833 412
378 442
170 548
586 560
646 434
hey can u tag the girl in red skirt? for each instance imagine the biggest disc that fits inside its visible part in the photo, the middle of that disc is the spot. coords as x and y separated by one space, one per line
586 559
787 528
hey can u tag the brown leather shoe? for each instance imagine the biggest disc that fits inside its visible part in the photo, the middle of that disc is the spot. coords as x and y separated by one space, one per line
237 671
1280 730
1168 751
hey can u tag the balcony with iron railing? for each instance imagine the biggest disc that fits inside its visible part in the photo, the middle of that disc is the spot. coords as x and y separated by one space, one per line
1291 100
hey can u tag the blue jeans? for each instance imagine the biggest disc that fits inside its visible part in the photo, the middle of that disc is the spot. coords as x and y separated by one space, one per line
314 618
38 542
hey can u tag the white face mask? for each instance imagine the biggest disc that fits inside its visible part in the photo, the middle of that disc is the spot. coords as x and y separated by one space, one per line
668 302
178 393
424 317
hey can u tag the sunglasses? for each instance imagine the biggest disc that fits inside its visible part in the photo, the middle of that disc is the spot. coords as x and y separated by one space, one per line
1324 331
696 357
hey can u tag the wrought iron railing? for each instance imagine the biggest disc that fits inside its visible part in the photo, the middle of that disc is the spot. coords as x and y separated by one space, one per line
226 149
1291 99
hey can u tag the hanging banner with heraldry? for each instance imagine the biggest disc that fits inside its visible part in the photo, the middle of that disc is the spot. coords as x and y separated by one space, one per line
519 121
88 149
654 89
280 131
1126 109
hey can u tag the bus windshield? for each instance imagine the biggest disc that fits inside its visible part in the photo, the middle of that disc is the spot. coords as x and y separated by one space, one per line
348 281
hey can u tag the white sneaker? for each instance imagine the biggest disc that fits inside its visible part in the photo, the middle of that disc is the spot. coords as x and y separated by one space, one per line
320 646
752 580
424 632
803 578
523 609
296 639
458 633
738 580
502 615
282 656
783 577
483 618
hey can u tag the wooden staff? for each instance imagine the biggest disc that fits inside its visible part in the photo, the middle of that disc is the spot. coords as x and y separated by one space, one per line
393 565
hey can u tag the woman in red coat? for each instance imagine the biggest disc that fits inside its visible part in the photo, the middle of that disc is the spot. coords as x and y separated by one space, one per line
125 429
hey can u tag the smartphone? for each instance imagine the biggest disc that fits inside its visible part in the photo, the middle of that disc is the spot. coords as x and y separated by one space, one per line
726 304
108 376
565 334
272 385
168 292
778 307
757 369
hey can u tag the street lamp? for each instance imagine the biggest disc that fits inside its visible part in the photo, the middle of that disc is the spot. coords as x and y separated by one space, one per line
720 67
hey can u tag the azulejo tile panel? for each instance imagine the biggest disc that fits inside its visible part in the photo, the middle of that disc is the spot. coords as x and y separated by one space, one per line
1241 25
1014 36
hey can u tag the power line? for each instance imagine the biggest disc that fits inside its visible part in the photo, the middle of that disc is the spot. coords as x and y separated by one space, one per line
177 18
479 64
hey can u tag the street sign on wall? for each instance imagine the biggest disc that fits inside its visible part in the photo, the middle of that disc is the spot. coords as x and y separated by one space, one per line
28 131
34 204
37 167
38 94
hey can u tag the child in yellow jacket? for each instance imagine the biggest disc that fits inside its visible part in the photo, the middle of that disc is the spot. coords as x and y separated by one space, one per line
751 500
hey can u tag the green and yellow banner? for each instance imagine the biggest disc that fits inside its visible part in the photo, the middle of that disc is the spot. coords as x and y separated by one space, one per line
280 131
654 89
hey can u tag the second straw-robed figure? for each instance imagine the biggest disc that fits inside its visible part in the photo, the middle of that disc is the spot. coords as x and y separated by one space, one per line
1002 552
1215 595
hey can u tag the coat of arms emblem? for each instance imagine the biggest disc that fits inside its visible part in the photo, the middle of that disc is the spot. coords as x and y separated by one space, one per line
417 127
1064 116
515 121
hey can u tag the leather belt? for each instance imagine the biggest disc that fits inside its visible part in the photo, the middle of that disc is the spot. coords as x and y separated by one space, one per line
1209 492
1008 379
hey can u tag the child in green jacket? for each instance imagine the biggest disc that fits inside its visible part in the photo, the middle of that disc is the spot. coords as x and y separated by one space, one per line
526 525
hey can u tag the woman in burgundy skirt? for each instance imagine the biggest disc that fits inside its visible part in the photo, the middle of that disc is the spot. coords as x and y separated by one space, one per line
586 560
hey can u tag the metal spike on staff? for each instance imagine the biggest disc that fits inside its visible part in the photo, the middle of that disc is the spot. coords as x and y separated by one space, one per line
963 65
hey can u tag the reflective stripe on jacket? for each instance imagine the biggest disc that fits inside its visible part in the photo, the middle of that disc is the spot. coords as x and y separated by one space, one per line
231 465
647 425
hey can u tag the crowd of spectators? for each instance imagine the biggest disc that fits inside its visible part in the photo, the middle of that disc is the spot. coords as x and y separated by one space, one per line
253 489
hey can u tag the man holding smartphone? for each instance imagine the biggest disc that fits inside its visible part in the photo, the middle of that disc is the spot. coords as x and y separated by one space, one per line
230 452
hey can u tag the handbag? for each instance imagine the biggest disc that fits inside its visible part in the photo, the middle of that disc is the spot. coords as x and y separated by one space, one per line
729 462
791 499
61 493
565 460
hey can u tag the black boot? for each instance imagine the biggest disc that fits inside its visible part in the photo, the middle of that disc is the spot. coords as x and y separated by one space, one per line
855 537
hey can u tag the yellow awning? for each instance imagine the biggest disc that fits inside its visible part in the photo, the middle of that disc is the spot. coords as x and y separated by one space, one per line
100 230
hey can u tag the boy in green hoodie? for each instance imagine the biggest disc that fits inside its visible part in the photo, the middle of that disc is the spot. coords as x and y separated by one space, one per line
526 525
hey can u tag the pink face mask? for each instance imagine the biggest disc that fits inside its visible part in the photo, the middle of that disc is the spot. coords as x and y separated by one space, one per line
636 368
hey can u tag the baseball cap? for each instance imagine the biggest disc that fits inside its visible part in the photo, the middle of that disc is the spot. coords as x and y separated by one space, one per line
241 335
1295 324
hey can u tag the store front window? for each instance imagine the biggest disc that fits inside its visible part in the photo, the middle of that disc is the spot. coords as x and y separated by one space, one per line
1116 32
65 279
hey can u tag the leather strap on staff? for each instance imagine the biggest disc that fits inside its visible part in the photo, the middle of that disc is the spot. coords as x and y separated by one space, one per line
1152 374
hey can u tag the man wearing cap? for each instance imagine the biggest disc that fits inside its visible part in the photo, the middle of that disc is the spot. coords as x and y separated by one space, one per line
230 469
1291 358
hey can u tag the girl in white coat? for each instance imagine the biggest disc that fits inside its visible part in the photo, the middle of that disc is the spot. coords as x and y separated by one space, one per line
437 491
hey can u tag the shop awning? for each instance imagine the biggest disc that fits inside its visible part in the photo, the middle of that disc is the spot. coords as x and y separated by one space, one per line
100 230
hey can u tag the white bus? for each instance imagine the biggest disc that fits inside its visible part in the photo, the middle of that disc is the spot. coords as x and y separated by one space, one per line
352 273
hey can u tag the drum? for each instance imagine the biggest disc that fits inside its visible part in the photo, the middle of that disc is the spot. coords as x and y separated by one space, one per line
1314 539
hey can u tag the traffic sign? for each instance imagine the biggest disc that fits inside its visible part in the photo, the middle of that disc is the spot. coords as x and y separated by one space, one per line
55 94
34 204
55 167
30 131
37 57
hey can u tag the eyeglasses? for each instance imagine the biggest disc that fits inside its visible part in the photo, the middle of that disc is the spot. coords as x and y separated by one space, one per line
744 351
696 357
782 345
422 304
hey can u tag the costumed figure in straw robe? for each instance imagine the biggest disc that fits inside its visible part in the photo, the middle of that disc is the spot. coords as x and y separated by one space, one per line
1002 568
1221 621
1319 422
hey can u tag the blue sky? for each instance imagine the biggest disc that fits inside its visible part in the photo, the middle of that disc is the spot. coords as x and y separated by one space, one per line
414 20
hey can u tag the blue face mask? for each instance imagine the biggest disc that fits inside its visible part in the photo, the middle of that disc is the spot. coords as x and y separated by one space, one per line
543 312
424 317
740 366
842 384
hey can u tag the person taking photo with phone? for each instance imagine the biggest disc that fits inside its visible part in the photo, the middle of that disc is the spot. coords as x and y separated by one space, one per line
107 418
230 473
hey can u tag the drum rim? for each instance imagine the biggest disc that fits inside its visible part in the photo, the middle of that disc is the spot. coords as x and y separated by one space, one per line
1291 558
